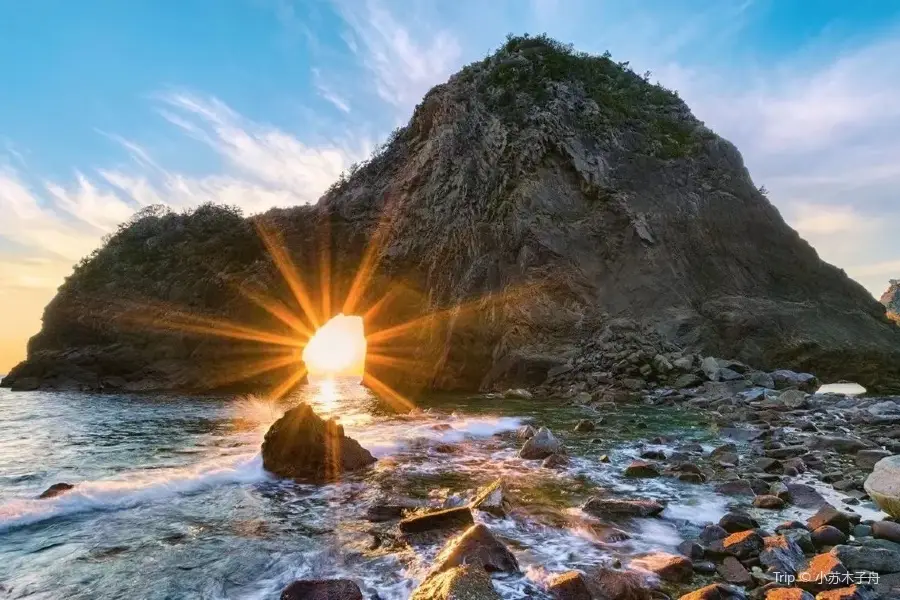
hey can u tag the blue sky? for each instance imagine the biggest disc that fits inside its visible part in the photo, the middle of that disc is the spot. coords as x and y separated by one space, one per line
107 105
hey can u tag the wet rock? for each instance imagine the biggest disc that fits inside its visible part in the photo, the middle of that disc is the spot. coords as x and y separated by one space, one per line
710 368
668 567
468 582
477 546
380 513
712 532
852 592
769 502
780 593
301 445
640 468
734 572
612 584
585 426
704 567
492 499
451 518
555 461
769 465
716 591
570 585
782 554
736 487
540 446
743 545
865 558
525 432
829 515
886 530
519 393
869 457
734 522
692 550
780 490
883 485
612 508
717 453
805 496
824 571
861 531
653 455
56 489
802 538
322 589
692 477
826 535
839 444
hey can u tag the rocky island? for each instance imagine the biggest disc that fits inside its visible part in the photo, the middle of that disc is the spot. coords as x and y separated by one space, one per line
530 199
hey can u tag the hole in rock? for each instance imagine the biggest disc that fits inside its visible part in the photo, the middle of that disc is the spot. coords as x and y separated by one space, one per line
338 349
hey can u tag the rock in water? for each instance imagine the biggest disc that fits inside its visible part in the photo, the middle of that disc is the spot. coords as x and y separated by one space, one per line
322 589
56 489
301 445
540 446
467 582
588 191
477 546
883 485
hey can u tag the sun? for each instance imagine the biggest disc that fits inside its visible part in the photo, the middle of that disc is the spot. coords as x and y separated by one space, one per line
337 348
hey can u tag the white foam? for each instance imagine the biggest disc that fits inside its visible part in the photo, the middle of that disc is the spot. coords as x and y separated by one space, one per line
704 510
388 440
134 489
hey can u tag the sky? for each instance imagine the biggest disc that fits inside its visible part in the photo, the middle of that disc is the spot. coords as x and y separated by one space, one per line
107 106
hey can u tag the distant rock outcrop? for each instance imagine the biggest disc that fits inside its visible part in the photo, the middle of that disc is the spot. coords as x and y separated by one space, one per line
301 445
891 300
532 198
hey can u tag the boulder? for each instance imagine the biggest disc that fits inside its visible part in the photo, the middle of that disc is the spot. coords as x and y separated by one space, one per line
793 399
769 502
829 515
555 461
734 572
782 554
492 499
56 489
322 589
710 368
761 379
467 582
613 584
784 379
540 446
827 535
839 444
734 522
301 445
824 571
668 567
868 558
886 530
640 468
570 585
450 518
477 546
584 426
869 457
687 380
736 487
742 545
613 508
883 485
780 593
805 496
520 393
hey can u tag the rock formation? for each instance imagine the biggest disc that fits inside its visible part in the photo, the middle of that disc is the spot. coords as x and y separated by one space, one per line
301 445
891 300
534 196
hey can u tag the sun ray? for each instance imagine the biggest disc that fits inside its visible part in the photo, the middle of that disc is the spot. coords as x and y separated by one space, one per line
394 398
288 270
370 259
394 361
288 384
215 327
242 371
277 310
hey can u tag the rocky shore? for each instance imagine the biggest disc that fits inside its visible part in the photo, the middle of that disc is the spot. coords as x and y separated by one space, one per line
797 470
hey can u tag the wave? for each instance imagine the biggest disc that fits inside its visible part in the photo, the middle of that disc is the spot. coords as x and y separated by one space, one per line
134 489
386 440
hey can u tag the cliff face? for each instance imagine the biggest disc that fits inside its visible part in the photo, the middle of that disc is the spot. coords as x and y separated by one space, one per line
531 198
891 300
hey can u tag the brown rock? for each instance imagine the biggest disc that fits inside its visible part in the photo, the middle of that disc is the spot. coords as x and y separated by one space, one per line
824 571
613 508
734 572
467 582
451 518
779 593
569 586
668 567
477 546
641 468
716 591
322 589
770 502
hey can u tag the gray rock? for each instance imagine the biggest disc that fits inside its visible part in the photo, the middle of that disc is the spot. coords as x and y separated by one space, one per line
887 530
322 589
869 457
540 446
492 499
761 379
862 558
793 399
520 393
883 485
786 379
781 553
710 368
687 380
839 444
55 490
685 363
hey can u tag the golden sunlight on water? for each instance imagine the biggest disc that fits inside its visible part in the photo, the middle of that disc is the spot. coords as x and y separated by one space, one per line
338 348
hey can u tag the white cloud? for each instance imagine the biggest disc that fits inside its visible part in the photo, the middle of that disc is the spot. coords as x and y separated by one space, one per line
403 65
